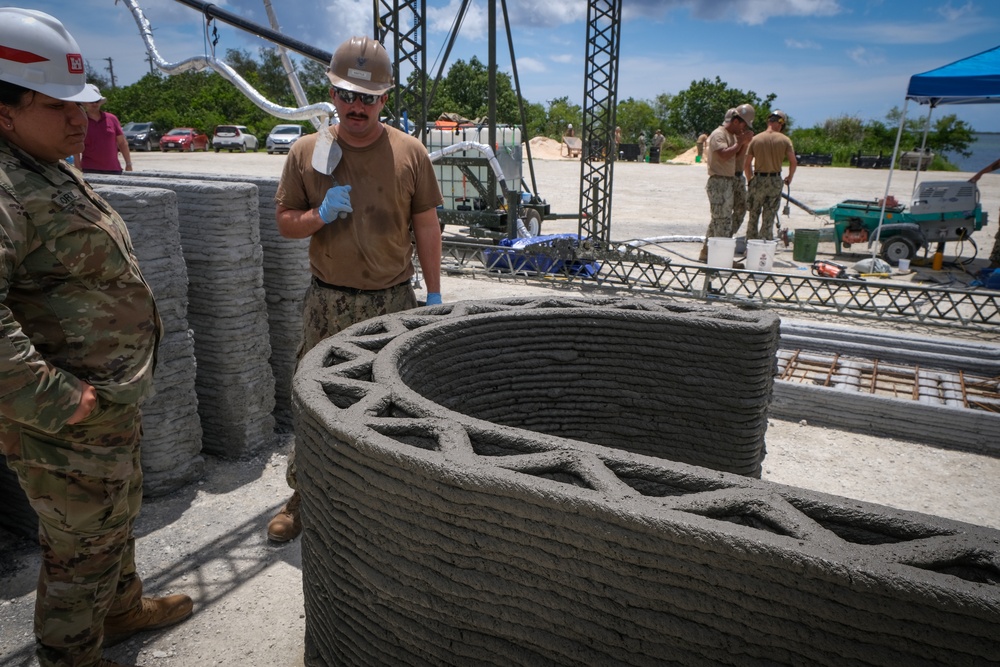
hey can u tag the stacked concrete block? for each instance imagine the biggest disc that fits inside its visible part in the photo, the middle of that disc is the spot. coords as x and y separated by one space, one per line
434 537
286 278
172 434
219 229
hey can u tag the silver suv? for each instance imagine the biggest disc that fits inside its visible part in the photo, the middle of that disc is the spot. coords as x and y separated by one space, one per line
234 138
282 137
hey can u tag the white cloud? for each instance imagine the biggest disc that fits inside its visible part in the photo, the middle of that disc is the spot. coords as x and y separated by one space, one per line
532 65
562 58
865 57
802 44
957 13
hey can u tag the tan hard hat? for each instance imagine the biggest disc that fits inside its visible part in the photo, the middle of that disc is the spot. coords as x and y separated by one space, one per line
361 65
746 112
780 114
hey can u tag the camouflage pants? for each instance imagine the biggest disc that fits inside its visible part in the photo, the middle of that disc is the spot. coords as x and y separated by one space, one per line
739 203
765 197
720 201
85 484
326 312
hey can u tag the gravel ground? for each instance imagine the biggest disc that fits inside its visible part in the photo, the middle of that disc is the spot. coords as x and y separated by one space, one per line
207 539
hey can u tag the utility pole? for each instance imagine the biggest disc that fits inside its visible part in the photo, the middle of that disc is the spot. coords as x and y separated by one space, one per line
111 71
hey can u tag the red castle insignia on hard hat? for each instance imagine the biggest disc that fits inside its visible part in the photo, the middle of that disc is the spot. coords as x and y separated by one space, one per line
74 62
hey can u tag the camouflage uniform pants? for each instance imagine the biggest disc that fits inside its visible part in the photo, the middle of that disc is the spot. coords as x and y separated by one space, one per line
739 203
85 484
765 197
720 201
326 312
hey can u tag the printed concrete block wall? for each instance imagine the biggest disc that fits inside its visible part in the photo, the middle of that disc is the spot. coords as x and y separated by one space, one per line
841 400
286 278
226 309
171 439
435 537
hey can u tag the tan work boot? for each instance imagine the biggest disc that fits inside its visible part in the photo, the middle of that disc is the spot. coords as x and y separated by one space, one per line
286 524
150 614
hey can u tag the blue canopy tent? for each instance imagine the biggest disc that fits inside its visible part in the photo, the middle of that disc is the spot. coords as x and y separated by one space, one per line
971 80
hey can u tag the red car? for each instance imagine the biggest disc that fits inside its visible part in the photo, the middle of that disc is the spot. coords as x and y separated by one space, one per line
183 139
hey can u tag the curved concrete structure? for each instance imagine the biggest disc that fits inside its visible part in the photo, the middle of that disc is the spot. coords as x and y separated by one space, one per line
440 530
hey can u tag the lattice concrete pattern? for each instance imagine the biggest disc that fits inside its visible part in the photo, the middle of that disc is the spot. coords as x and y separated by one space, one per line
498 483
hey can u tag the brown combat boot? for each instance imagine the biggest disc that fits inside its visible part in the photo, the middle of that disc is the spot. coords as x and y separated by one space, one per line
286 524
150 614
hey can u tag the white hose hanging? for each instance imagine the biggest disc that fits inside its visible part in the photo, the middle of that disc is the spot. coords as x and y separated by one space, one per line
199 63
471 145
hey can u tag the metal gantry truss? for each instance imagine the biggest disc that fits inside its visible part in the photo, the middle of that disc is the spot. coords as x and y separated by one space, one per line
600 102
404 21
587 267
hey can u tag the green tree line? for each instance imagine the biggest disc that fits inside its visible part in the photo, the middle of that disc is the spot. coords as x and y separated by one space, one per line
205 99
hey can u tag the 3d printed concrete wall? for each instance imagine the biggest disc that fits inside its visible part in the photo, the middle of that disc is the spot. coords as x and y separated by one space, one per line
434 537
220 239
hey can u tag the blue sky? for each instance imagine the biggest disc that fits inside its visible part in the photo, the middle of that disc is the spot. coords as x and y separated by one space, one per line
822 58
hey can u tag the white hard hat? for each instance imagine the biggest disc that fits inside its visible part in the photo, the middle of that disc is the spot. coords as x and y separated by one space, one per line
94 90
38 53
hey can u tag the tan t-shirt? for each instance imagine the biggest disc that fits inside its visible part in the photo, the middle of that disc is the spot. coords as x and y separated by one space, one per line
769 150
719 140
391 180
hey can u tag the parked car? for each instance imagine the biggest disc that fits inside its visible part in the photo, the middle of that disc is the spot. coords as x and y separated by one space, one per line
282 137
234 137
141 136
184 139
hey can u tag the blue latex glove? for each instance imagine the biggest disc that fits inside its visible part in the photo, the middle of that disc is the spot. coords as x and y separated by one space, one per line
434 298
337 201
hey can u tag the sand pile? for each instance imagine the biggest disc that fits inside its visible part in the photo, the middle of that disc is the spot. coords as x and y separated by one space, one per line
544 148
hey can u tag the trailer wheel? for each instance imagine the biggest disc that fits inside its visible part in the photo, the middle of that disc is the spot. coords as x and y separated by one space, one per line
897 248
533 221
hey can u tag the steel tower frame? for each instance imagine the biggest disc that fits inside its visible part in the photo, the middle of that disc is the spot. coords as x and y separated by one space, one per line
600 102
404 21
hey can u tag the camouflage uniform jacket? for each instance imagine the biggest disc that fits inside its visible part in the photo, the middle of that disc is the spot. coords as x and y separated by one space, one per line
73 305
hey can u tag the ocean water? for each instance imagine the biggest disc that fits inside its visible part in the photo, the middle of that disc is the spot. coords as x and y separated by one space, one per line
985 150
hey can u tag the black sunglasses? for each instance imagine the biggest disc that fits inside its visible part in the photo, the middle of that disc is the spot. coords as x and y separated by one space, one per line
348 96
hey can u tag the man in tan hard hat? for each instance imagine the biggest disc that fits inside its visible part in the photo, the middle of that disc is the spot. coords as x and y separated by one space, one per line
359 218
724 144
762 166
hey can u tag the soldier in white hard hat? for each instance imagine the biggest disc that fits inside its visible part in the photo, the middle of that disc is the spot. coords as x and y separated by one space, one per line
724 144
360 219
78 335
762 165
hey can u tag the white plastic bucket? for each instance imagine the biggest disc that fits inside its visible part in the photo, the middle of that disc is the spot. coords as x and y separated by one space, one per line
720 252
760 254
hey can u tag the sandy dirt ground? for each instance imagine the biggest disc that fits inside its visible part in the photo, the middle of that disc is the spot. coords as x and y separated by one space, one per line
207 539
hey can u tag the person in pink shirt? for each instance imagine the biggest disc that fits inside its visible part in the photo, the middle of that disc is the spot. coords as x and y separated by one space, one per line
105 140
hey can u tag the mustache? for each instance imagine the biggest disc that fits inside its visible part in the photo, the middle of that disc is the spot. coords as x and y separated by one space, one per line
358 115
